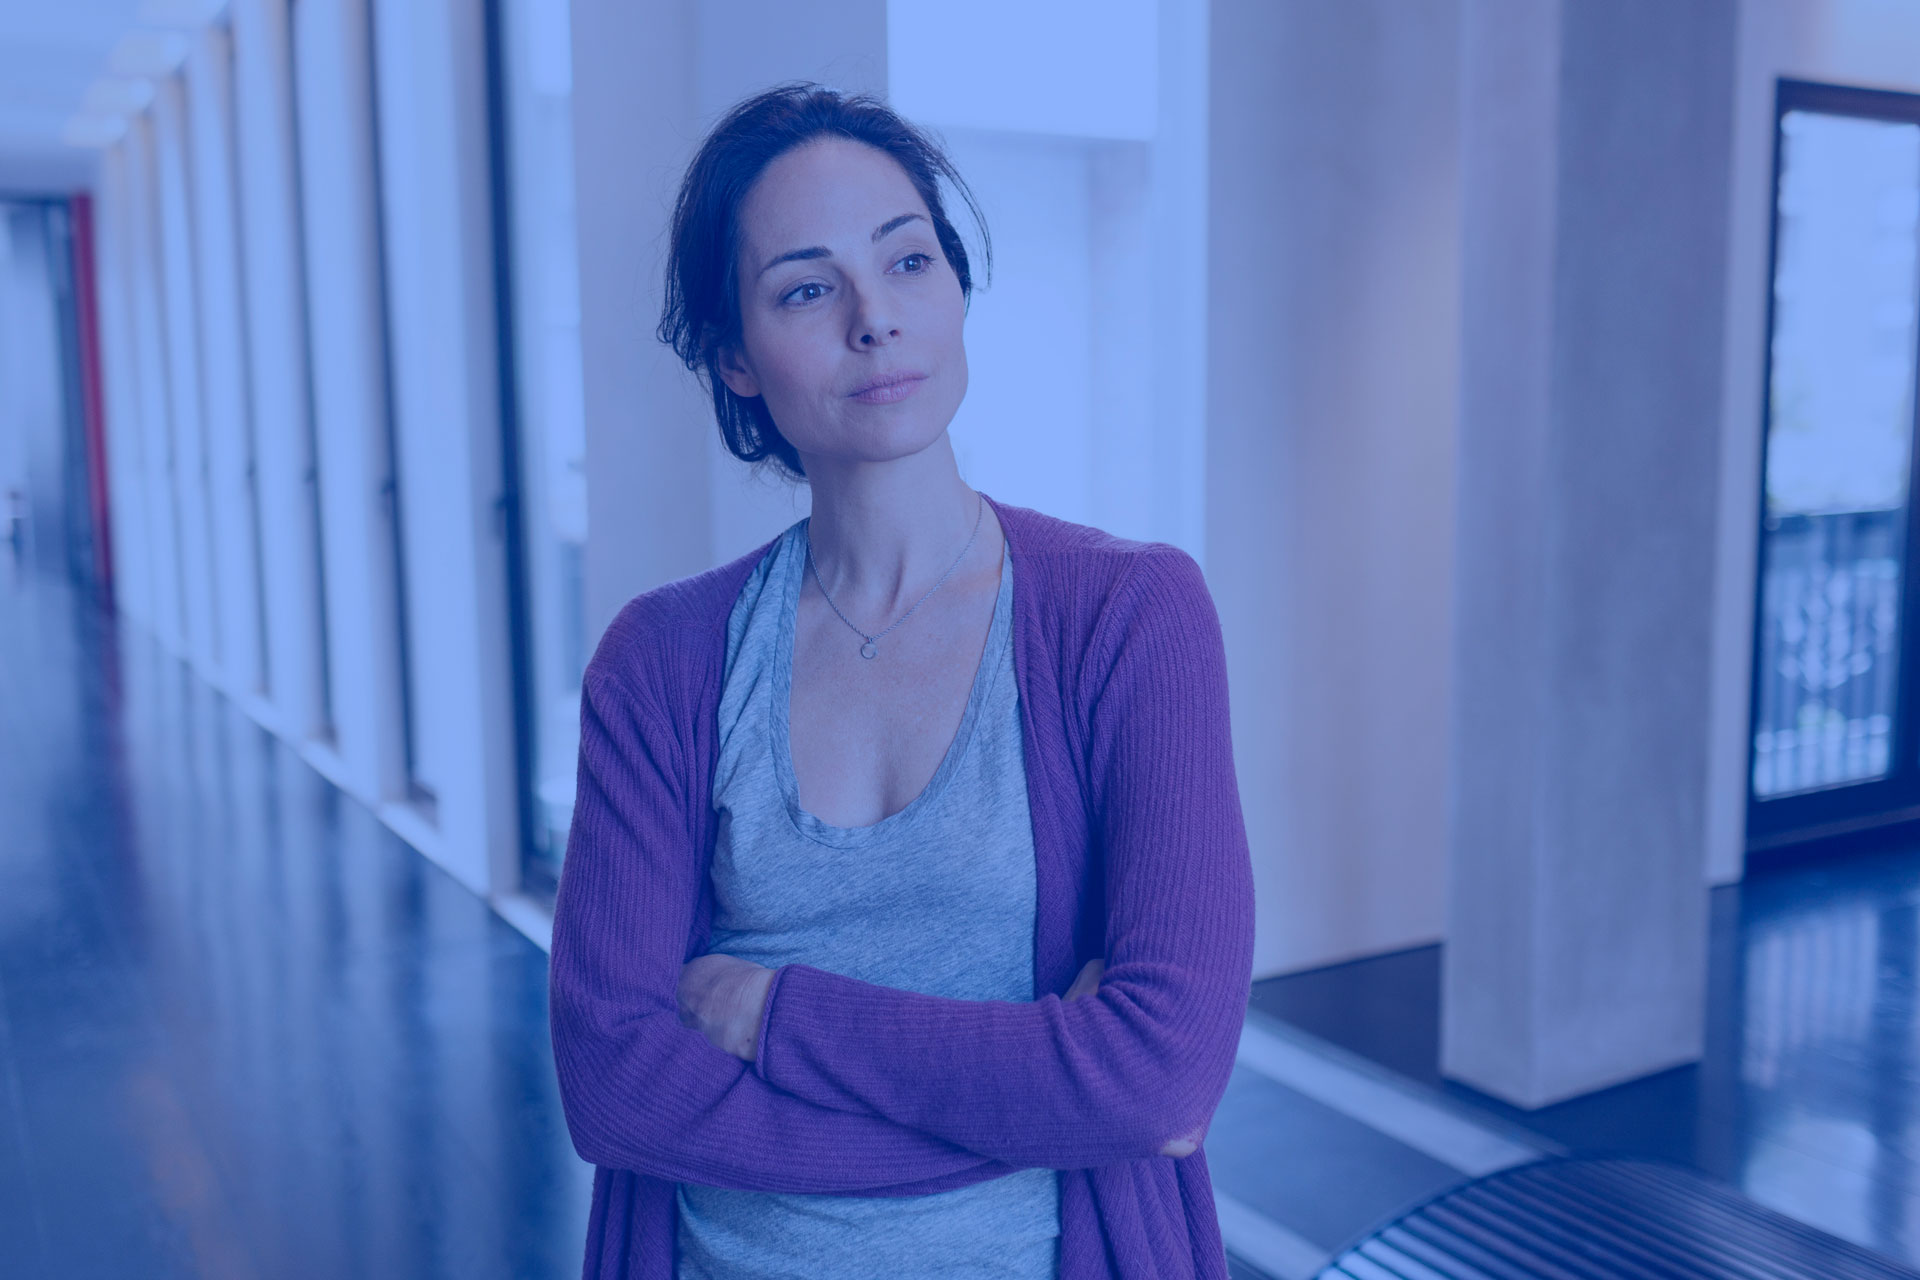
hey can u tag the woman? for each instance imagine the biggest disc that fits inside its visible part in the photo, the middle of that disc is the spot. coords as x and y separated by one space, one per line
913 950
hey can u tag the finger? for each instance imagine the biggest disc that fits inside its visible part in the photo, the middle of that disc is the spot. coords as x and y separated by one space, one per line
1186 1146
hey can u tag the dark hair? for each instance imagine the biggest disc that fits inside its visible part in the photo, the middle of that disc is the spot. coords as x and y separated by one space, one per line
702 311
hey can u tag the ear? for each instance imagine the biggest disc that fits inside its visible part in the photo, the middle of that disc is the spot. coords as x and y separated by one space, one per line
734 372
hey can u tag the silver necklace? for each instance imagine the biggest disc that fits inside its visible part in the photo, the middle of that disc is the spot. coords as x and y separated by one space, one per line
871 648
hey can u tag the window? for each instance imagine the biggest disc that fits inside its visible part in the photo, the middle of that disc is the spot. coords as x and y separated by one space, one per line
545 421
1834 732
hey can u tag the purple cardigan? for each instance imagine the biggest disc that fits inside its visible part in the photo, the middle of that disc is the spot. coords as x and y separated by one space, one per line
1140 857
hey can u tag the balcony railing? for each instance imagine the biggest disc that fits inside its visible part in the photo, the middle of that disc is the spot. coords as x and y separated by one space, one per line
1829 651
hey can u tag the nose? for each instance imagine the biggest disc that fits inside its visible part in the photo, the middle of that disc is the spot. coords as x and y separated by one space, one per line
870 319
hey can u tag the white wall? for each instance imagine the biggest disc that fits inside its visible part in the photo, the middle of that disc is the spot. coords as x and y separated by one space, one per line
1027 431
1081 128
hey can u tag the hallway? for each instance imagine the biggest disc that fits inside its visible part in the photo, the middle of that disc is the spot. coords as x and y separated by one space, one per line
1546 450
244 1029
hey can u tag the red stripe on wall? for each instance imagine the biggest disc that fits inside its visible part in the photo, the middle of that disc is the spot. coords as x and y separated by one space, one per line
87 309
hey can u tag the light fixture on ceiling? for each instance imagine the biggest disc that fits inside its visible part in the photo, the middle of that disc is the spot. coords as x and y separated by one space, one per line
148 53
117 96
93 130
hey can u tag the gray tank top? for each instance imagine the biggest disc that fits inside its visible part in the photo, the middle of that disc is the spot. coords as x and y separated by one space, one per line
937 898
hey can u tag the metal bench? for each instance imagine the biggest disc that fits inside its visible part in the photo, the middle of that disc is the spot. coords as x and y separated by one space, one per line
1602 1219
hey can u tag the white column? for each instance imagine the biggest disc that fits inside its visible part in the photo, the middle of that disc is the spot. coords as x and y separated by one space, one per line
434 155
649 79
216 239
276 338
149 331
347 341
744 47
180 316
119 364
1593 302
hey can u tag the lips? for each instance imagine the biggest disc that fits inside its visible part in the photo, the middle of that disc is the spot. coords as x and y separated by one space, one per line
887 380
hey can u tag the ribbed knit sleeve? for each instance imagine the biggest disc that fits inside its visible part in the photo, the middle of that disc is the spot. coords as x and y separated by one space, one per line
1146 1059
640 1091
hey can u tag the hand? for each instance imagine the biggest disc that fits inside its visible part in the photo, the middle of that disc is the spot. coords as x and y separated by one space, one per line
1085 983
724 998
1186 1146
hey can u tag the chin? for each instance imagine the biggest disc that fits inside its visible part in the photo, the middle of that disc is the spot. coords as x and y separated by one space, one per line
911 438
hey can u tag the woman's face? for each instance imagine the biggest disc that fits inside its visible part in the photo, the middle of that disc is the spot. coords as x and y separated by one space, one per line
842 281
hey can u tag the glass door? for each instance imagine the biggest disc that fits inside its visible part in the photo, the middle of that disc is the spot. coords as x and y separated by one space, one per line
1834 745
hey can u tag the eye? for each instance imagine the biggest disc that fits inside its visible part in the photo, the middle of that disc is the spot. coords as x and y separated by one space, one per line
926 258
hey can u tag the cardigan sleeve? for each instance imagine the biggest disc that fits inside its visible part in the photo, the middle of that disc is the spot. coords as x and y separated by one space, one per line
639 1090
1146 1059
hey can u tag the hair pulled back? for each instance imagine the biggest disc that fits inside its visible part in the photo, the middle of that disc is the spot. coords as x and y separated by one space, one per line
701 315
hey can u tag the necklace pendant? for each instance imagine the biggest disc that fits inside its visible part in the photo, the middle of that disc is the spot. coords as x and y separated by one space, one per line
868 650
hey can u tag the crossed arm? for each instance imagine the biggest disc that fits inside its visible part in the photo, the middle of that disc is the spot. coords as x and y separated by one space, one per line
861 1088
640 1090
724 998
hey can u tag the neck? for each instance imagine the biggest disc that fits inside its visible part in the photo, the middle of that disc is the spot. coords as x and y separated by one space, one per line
883 536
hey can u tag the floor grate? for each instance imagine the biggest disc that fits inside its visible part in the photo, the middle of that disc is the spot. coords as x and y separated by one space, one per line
1602 1219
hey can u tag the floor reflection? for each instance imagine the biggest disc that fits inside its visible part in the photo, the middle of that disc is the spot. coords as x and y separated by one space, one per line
246 1032
244 1029
1806 1098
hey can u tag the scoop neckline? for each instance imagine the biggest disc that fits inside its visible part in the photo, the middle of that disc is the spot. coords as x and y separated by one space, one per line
809 825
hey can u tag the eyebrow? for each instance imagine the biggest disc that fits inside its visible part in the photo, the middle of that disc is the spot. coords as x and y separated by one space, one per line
821 251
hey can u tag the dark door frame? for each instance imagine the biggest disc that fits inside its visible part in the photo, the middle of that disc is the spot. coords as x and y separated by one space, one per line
1845 809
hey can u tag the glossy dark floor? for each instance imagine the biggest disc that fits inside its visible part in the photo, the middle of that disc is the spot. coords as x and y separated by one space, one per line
1808 1098
244 1030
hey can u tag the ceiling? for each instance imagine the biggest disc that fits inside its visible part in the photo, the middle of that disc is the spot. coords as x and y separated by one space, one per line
52 53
